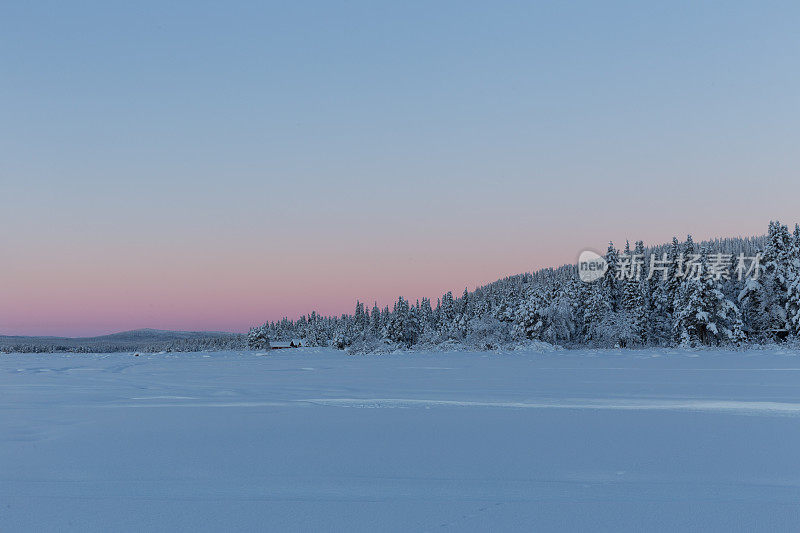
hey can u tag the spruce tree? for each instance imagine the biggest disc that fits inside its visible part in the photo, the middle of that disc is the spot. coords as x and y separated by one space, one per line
609 280
793 284
704 315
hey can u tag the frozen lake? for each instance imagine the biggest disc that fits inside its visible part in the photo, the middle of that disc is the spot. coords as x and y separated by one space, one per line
318 440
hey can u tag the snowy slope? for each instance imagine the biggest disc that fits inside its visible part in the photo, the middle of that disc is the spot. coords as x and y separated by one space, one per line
318 440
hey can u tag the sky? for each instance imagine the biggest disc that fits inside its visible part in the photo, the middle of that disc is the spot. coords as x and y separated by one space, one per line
213 165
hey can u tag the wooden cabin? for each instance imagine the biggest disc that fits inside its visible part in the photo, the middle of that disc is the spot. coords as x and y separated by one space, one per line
280 345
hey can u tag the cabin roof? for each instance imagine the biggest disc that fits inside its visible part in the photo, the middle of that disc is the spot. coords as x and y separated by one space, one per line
286 344
280 344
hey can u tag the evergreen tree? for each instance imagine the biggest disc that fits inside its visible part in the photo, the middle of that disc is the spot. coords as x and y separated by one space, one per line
375 321
635 303
765 297
597 318
610 282
427 319
793 284
704 315
360 318
447 314
403 326
466 307
258 338
528 317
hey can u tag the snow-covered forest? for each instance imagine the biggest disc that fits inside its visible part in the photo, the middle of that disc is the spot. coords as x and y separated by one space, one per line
142 340
700 295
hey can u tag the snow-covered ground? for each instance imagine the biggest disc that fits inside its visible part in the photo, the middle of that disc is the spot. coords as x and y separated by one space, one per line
318 440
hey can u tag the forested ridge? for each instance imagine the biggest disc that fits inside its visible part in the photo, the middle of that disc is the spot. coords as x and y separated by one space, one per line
721 292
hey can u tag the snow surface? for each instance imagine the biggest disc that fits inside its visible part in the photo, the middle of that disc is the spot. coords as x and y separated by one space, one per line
314 439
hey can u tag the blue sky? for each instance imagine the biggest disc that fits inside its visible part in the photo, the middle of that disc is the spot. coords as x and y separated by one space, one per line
216 164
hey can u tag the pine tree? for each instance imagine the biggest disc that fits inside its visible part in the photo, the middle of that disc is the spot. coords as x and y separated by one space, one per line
559 312
774 280
360 318
528 318
427 320
597 316
704 316
403 326
662 302
375 321
447 314
793 284
673 280
610 281
637 303
258 338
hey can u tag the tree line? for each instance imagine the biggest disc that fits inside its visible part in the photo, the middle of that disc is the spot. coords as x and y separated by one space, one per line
699 297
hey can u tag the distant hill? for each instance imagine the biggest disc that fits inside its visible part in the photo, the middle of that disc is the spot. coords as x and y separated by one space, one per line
142 340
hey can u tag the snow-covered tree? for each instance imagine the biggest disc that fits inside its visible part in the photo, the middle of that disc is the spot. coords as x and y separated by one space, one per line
793 284
258 338
609 280
402 326
599 324
703 315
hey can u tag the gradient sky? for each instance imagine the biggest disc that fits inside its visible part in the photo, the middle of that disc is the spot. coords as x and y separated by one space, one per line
212 165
